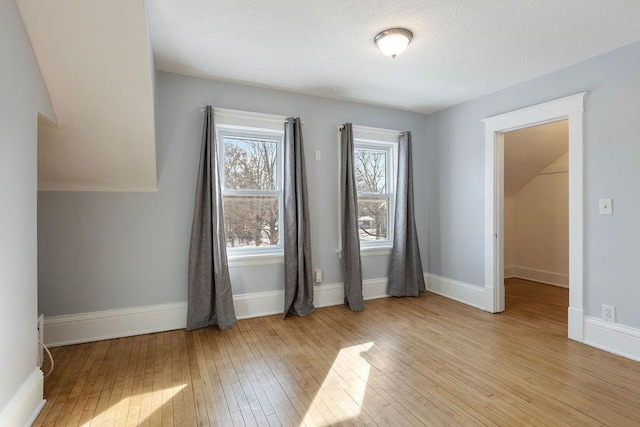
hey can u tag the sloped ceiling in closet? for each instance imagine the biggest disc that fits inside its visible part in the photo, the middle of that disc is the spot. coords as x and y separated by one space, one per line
529 151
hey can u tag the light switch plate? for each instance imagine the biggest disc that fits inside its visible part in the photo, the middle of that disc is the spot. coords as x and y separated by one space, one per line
318 155
606 206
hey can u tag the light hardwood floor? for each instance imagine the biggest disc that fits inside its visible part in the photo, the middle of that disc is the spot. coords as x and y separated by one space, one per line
409 361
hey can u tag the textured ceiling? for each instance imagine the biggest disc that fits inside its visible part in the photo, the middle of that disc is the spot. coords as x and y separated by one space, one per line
96 61
461 49
530 151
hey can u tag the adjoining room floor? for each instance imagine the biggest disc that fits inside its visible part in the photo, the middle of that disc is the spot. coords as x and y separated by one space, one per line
409 361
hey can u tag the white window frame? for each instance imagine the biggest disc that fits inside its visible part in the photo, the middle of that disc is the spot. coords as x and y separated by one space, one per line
242 125
390 184
384 140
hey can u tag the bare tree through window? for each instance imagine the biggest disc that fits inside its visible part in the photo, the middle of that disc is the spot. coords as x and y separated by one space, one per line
251 201
371 167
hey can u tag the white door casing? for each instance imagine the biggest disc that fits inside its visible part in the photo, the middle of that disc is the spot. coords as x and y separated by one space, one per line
569 108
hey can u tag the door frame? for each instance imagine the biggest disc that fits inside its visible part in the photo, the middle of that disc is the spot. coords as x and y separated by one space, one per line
569 108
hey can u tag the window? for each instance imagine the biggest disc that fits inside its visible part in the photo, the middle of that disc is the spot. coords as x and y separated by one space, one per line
375 166
251 181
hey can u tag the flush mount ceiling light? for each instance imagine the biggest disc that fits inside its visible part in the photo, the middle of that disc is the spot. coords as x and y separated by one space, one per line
393 41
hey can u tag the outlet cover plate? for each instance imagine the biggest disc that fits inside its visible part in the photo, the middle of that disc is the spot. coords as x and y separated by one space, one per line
605 206
608 313
40 339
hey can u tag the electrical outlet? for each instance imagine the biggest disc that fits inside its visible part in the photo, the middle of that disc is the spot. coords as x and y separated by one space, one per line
608 313
605 206
40 339
318 275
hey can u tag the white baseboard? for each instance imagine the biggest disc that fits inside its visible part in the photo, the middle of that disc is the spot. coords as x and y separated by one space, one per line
124 322
333 294
87 327
547 277
456 290
576 324
256 304
612 337
375 288
26 404
510 272
329 294
117 323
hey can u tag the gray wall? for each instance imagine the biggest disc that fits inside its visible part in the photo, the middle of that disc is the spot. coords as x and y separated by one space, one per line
612 169
108 250
101 251
22 95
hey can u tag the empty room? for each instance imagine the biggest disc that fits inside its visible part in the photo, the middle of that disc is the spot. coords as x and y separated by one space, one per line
322 213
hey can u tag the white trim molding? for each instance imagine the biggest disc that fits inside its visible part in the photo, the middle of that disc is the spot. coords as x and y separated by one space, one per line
569 108
26 404
510 271
242 119
256 304
612 337
366 251
108 324
541 276
576 323
117 323
243 260
375 288
125 322
456 290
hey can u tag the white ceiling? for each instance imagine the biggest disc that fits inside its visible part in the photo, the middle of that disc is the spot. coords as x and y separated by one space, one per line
462 49
96 61
530 151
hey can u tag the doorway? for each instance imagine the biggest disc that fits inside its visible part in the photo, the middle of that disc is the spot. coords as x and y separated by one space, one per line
570 108
536 216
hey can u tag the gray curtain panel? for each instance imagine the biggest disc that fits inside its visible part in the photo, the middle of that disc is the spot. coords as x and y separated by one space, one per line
349 221
405 271
210 301
298 272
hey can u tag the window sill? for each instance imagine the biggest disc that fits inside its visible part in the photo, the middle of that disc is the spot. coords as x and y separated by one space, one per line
375 250
240 260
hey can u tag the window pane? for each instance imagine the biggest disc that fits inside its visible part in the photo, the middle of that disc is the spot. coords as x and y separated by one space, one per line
371 170
249 164
373 218
251 221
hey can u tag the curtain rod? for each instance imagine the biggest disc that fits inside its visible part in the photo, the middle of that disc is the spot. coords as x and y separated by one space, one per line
368 128
237 113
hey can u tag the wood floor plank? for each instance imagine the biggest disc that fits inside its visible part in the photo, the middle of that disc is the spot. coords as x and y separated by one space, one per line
403 361
216 407
96 381
135 401
60 381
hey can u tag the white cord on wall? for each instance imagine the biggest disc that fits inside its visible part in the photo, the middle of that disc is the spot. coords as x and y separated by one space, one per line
50 358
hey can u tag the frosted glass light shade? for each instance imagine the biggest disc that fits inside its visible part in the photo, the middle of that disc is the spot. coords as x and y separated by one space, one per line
393 41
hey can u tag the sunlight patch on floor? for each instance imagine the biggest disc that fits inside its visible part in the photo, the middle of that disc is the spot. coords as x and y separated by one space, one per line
343 390
148 403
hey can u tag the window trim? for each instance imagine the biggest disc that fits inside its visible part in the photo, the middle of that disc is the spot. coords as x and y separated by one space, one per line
242 260
374 136
376 250
391 149
238 124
